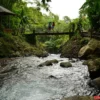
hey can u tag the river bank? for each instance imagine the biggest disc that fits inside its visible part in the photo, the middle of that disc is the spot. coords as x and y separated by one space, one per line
17 46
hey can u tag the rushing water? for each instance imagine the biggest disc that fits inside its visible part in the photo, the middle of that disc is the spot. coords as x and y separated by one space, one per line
32 83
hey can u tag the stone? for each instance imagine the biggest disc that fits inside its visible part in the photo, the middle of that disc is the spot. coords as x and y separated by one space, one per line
84 63
65 64
40 53
84 51
93 47
48 63
71 48
45 54
96 82
94 67
54 77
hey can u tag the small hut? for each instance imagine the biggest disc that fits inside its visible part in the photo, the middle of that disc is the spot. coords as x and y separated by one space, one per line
5 12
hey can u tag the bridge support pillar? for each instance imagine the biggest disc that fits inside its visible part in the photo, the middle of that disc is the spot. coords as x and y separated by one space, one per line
34 37
71 34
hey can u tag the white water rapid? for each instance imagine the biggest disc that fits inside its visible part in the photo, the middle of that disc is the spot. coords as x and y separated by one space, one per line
29 82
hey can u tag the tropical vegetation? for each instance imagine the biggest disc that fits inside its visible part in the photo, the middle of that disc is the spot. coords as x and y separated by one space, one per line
30 19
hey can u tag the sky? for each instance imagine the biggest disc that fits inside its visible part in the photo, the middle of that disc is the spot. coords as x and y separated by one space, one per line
65 8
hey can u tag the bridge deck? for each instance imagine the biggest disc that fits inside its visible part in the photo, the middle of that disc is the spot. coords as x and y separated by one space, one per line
64 33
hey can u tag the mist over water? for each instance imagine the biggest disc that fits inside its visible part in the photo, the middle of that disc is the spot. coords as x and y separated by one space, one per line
30 82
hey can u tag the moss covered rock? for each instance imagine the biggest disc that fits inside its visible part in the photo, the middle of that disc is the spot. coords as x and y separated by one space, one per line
94 67
48 63
40 53
71 48
84 63
96 82
79 98
65 64
92 48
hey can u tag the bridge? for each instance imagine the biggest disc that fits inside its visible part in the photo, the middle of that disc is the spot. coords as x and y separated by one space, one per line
52 33
31 38
83 34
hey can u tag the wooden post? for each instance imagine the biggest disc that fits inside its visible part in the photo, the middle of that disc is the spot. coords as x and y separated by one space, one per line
71 34
34 37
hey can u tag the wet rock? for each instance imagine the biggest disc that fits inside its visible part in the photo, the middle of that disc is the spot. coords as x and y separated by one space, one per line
7 69
54 77
71 48
45 54
65 64
93 47
94 67
41 53
84 63
85 51
96 82
79 98
48 63
54 61
73 61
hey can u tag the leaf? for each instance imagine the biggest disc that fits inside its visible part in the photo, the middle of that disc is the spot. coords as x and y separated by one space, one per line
43 1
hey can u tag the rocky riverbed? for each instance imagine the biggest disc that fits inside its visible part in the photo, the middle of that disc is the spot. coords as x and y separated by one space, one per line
22 79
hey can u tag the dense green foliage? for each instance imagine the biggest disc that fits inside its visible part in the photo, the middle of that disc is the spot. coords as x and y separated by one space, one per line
91 8
29 19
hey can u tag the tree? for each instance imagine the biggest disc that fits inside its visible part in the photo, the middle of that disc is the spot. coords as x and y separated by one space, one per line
67 19
8 3
44 1
92 9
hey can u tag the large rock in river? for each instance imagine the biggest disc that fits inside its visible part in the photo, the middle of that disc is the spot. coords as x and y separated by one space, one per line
71 48
79 98
94 67
65 64
96 82
92 48
48 63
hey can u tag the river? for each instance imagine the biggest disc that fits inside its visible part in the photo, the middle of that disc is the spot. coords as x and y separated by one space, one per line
29 82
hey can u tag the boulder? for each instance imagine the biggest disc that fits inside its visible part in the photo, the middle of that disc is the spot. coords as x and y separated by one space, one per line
93 47
48 63
84 63
54 61
79 98
65 64
94 67
45 54
40 53
85 51
71 48
96 82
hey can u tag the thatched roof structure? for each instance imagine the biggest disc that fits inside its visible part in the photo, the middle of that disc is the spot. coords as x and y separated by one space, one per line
4 11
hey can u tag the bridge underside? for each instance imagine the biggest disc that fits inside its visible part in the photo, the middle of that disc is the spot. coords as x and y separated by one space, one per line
64 33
